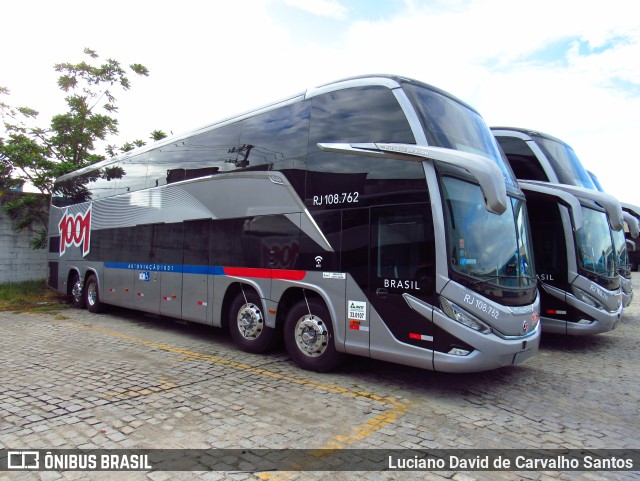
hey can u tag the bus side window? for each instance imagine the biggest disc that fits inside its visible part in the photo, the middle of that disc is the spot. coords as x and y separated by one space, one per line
404 247
364 114
133 174
211 152
167 241
71 191
523 161
274 136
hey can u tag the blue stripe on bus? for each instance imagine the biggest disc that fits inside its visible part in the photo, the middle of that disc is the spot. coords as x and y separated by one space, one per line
187 269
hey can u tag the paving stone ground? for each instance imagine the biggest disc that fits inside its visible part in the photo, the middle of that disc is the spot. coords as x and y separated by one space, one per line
123 379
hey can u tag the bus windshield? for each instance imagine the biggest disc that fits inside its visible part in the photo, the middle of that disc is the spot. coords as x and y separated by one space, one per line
596 252
484 246
622 256
453 125
565 163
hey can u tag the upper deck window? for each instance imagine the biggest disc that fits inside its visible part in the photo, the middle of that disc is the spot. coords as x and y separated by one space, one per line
565 162
451 124
523 161
355 115
274 136
364 114
92 185
200 155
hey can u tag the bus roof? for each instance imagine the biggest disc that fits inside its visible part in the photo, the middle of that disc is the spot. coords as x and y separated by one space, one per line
531 132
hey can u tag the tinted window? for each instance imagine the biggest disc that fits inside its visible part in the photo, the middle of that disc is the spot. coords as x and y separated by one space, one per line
71 191
139 247
594 242
549 244
336 180
225 249
101 245
89 186
400 246
523 161
271 241
274 136
403 249
367 114
167 243
196 242
564 162
133 173
449 123
197 156
103 181
124 247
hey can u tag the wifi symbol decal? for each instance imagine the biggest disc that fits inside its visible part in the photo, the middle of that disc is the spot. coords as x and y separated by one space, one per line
318 261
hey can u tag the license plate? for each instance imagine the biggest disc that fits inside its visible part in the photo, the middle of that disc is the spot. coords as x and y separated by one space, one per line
522 355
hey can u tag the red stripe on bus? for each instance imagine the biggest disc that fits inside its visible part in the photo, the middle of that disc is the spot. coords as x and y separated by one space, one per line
284 274
248 272
288 275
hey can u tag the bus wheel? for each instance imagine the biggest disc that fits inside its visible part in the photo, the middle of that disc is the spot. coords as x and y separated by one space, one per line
92 295
247 323
308 336
77 294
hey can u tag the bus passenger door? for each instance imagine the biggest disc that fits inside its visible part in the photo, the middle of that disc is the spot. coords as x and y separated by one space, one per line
402 260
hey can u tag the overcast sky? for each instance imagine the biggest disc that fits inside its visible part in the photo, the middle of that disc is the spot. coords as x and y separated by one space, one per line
567 68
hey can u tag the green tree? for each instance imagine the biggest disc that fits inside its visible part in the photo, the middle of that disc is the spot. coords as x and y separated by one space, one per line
29 153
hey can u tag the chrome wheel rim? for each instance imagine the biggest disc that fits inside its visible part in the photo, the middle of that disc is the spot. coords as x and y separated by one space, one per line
311 335
92 293
76 291
250 321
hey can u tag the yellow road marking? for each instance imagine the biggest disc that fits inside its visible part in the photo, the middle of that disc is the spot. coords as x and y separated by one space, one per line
396 408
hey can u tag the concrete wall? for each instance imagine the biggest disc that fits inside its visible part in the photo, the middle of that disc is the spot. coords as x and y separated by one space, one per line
18 261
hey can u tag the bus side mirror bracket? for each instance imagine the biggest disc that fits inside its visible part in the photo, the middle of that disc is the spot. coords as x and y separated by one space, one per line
483 169
606 201
565 198
632 224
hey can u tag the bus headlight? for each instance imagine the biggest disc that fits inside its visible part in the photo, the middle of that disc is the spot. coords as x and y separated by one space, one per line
458 314
586 298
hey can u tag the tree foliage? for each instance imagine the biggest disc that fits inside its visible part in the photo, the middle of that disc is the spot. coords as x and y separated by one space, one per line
37 155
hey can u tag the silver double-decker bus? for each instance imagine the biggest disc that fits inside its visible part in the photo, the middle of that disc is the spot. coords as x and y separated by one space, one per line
372 216
584 281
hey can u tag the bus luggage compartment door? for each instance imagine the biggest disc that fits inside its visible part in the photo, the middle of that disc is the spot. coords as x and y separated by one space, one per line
147 290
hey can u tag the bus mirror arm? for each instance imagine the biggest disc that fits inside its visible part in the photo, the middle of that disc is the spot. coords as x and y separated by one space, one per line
632 223
565 198
484 170
631 246
634 210
606 201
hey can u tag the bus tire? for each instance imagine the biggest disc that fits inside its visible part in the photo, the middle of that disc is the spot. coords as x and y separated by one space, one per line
92 295
308 337
247 323
77 292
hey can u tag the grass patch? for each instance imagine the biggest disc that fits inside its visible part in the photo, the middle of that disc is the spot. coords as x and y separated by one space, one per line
28 296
